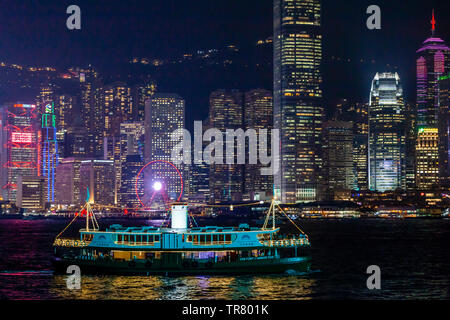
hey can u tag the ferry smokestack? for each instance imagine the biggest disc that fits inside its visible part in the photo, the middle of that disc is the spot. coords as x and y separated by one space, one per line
179 216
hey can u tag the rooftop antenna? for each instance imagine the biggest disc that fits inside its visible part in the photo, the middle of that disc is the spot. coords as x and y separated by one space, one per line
433 23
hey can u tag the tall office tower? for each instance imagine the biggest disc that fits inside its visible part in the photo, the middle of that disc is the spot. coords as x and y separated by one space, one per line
411 137
132 135
130 169
65 113
226 112
88 83
113 104
358 113
432 61
78 142
258 115
46 95
164 113
198 174
111 151
68 184
31 193
338 172
49 149
427 159
387 133
444 131
141 93
99 177
297 100
21 146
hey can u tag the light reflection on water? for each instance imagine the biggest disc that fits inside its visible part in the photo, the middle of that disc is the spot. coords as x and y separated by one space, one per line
181 288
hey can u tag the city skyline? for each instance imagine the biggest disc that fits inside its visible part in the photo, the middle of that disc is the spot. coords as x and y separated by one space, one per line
128 122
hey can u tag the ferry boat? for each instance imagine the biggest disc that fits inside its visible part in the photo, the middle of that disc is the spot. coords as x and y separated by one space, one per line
180 249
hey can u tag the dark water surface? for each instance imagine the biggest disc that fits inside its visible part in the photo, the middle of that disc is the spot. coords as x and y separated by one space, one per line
414 257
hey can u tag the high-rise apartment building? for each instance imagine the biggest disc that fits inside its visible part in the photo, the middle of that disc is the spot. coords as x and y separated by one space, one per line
387 133
298 108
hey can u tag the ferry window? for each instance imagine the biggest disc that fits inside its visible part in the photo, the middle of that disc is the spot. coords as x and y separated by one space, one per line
202 239
228 237
189 238
215 238
208 239
156 238
139 238
126 238
196 238
119 238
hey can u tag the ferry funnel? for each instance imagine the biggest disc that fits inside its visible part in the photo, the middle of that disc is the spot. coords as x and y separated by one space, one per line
179 216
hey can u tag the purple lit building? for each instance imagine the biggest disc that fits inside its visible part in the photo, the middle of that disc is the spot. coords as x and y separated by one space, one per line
432 62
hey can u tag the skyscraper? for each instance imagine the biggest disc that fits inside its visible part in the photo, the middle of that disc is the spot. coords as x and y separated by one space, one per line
387 133
432 61
50 154
226 112
258 115
298 109
444 131
164 113
68 184
21 141
338 159
99 177
427 159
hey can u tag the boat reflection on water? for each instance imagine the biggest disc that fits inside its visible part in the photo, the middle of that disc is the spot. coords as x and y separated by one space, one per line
263 287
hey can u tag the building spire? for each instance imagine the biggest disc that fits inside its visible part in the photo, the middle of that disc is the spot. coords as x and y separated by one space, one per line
433 23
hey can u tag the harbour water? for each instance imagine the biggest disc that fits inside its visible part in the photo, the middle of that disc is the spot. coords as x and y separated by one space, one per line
413 256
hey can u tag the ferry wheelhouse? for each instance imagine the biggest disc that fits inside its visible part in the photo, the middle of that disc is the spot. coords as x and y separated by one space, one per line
179 249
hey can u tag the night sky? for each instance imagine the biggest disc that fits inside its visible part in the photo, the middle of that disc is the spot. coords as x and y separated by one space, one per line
35 33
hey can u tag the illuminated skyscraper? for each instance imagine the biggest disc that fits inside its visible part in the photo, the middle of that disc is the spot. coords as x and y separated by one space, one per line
49 149
432 61
427 159
21 146
31 193
387 133
130 169
68 184
226 112
140 94
258 115
100 177
164 113
444 131
113 104
298 109
338 159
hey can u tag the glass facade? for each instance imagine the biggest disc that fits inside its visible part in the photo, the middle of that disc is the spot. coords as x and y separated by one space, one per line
298 109
387 133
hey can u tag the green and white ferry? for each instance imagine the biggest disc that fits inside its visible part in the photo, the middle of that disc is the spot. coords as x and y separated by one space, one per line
180 249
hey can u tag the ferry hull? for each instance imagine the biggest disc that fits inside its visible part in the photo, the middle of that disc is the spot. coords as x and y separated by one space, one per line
279 265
